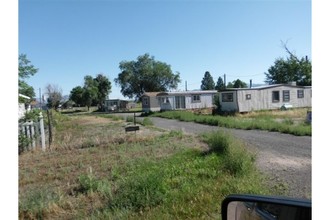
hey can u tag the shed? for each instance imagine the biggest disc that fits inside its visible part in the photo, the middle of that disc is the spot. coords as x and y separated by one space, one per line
265 97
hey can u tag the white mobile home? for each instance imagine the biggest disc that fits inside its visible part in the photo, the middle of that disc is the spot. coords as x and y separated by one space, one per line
186 99
162 101
265 97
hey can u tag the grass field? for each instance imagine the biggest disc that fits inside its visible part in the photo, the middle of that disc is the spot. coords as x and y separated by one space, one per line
94 170
291 121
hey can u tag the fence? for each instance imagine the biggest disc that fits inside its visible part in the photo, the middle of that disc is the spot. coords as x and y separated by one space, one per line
32 135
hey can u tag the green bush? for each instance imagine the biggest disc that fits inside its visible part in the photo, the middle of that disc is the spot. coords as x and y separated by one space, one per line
238 162
218 141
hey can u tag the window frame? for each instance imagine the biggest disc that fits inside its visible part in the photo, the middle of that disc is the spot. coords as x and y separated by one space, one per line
300 94
225 98
145 101
277 93
196 98
286 95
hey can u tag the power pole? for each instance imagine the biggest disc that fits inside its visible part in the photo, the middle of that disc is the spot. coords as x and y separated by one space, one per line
224 80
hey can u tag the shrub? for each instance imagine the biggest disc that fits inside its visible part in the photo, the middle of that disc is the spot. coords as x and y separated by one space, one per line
218 141
238 161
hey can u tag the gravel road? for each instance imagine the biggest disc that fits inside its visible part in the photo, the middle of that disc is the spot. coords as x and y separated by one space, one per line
285 158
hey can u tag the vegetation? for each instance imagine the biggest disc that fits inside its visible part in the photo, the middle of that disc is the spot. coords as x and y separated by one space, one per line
25 71
97 171
54 94
291 69
263 120
207 82
94 92
220 84
145 75
237 84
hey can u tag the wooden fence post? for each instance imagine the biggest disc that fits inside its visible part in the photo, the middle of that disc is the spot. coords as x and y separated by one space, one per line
32 135
50 118
42 132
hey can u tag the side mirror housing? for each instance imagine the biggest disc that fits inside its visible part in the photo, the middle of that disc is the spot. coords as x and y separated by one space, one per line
250 207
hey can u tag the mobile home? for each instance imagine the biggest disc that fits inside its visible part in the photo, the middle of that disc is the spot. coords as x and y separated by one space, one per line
265 97
162 101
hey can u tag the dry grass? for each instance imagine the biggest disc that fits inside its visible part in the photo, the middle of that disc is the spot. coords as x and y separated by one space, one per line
87 145
298 113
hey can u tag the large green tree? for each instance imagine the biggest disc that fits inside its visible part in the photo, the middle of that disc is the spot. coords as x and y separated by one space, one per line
25 71
76 95
103 89
145 75
207 82
94 91
291 69
90 91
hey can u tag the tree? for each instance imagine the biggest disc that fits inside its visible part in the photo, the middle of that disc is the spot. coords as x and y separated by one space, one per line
76 95
239 84
103 89
145 75
54 94
207 82
220 84
94 91
90 91
25 71
291 69
230 85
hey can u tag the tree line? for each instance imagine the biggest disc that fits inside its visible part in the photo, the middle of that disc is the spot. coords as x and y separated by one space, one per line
149 75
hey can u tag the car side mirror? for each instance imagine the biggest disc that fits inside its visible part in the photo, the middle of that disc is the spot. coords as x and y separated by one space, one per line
250 207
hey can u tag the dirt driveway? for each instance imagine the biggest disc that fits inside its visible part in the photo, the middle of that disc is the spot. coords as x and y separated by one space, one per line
285 158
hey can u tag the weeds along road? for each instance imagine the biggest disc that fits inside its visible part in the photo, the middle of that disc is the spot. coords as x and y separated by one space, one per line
286 159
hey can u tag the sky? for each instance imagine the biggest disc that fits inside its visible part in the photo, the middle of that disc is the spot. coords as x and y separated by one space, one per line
69 39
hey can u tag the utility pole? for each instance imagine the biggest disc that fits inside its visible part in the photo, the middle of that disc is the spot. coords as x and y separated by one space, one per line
224 80
186 86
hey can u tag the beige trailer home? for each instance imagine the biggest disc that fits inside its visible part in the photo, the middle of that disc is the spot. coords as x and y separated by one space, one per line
265 97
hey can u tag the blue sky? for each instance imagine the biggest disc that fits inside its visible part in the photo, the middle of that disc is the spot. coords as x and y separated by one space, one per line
70 39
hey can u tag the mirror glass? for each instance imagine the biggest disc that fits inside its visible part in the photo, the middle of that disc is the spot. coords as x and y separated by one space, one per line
238 210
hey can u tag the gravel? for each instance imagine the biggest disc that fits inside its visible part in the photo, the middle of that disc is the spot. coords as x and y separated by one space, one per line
286 159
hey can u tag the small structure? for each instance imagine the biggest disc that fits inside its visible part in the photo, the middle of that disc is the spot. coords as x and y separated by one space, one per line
150 102
162 101
265 97
116 105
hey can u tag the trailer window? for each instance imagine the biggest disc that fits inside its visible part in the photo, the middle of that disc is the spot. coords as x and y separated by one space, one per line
286 95
300 94
227 97
276 96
